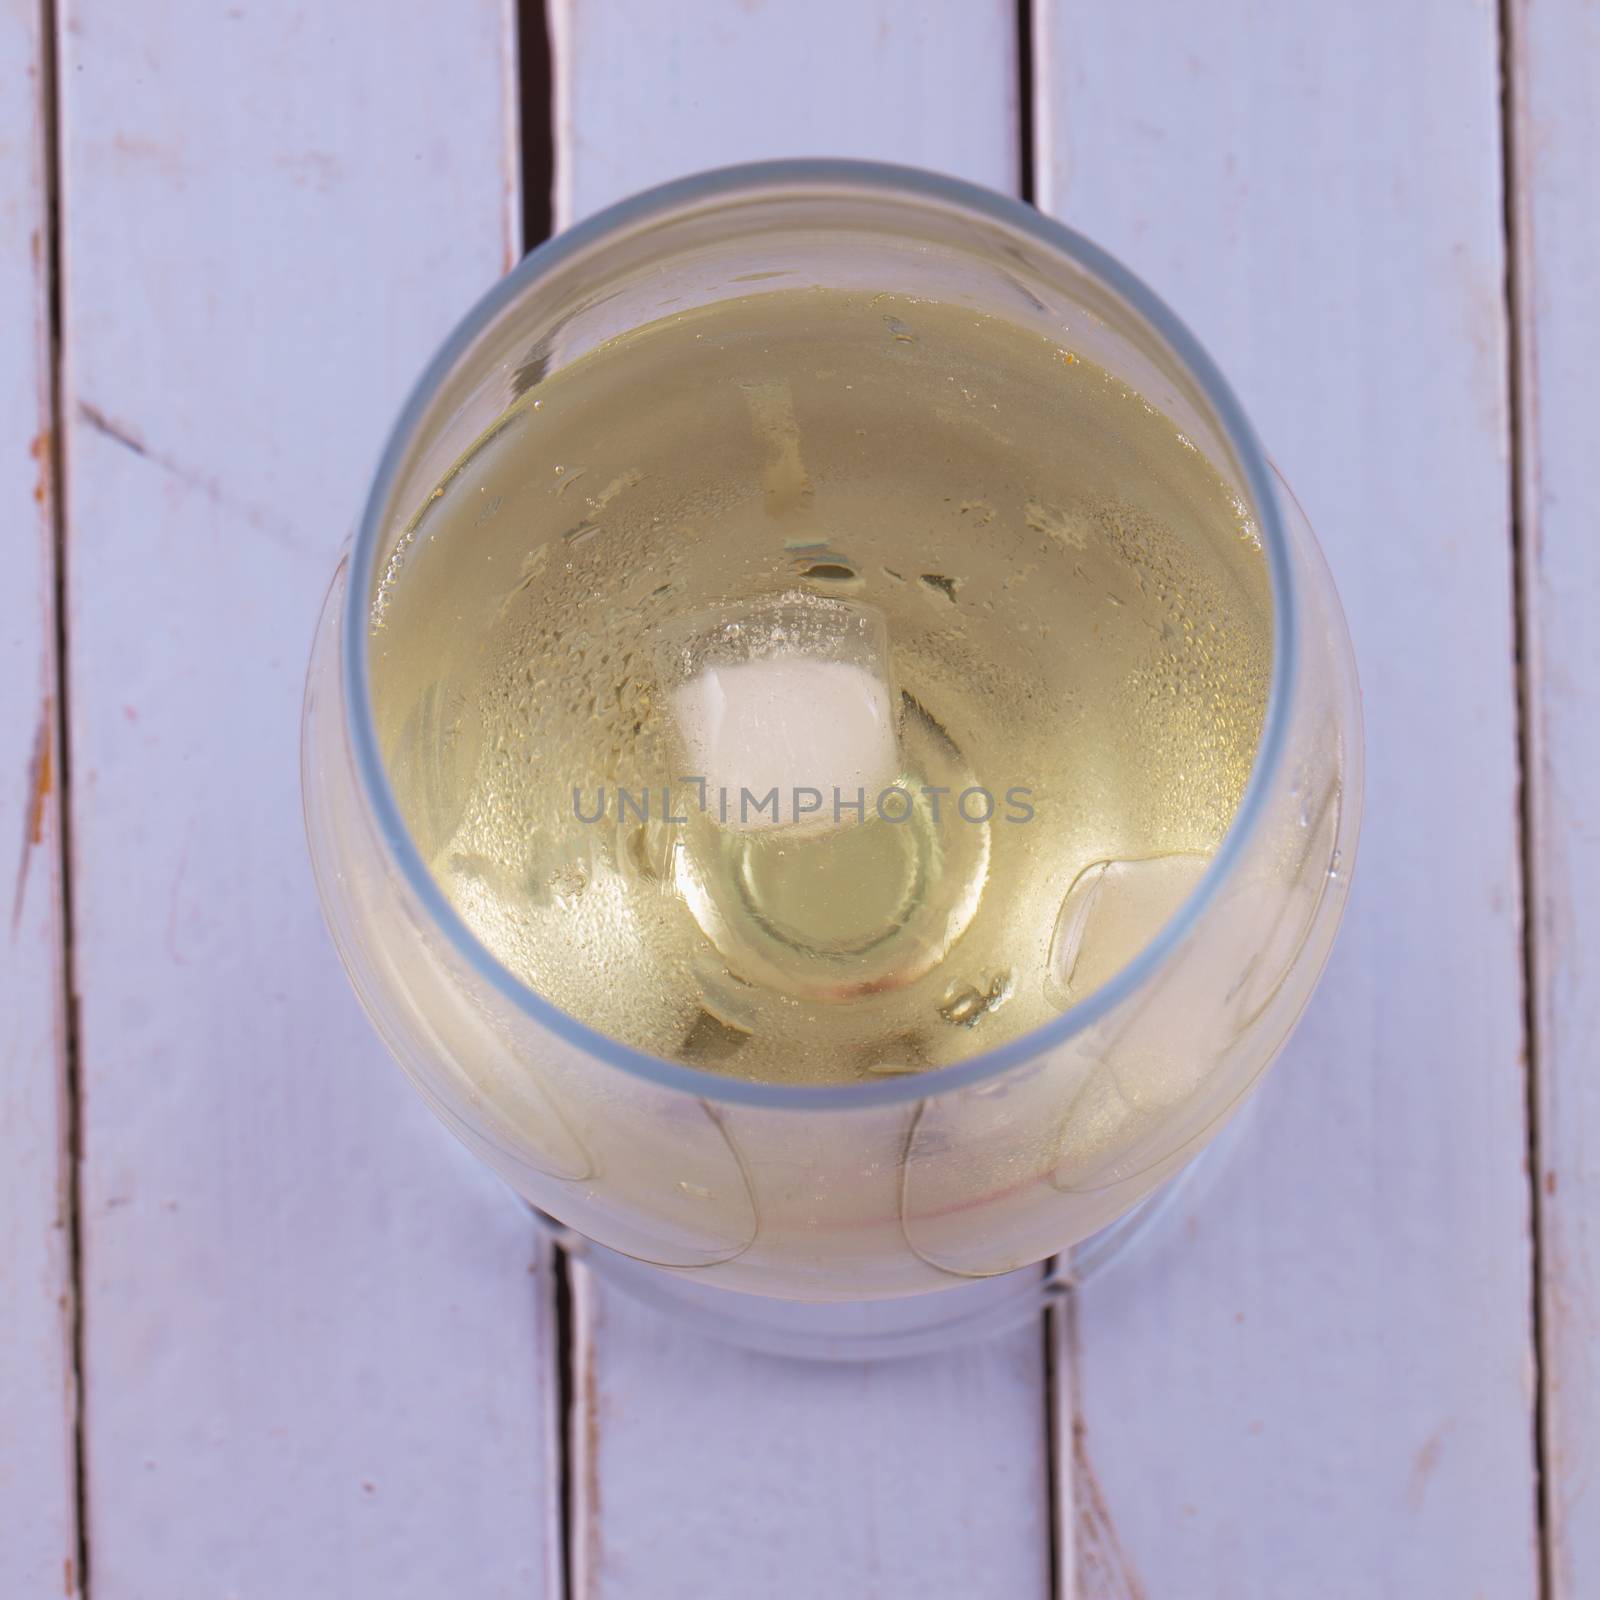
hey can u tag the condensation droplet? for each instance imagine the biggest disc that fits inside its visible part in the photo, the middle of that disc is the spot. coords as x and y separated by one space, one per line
568 881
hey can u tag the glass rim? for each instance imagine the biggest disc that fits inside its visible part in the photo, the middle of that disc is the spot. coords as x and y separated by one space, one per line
821 178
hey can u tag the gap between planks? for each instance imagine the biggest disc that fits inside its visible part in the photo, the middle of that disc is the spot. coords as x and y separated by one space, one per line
77 1576
532 157
1523 512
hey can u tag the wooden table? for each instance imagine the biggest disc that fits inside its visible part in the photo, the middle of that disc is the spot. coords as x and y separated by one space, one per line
266 1333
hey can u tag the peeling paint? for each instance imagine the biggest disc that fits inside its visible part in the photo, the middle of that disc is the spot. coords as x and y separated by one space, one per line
39 783
1103 1566
39 450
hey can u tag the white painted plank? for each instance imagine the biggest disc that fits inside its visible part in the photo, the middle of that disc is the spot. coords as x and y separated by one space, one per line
1324 1389
702 1472
316 1363
38 1530
1555 58
647 92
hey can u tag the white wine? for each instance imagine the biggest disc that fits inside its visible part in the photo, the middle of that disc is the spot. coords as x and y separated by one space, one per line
816 686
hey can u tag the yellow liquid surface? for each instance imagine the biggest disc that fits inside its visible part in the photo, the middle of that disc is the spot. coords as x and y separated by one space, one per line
862 548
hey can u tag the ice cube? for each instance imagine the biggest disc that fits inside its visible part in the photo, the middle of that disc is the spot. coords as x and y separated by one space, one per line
791 696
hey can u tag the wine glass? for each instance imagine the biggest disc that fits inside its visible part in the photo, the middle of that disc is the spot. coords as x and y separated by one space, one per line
764 1208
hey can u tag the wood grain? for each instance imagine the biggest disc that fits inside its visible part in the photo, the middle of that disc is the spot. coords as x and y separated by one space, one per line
318 1354
1322 1385
38 1527
701 1472
1555 62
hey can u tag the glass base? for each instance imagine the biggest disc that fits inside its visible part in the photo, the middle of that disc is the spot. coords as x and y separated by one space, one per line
867 1330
